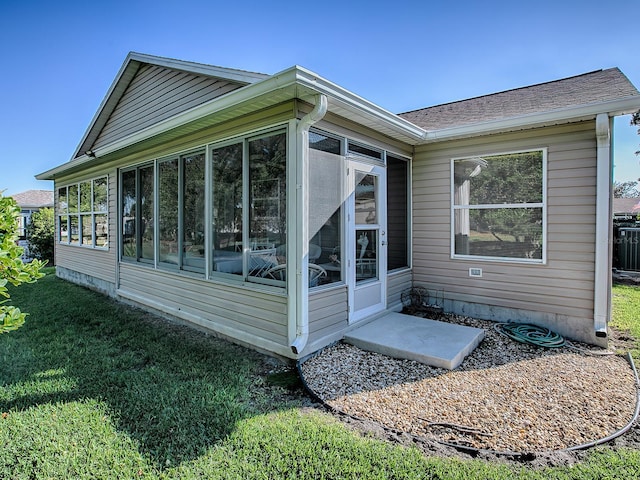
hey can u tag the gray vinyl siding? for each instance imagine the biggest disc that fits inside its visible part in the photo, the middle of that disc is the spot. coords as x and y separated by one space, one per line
251 313
328 316
561 291
397 283
156 94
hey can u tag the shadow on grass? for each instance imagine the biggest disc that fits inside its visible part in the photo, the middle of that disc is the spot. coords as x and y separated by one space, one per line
174 390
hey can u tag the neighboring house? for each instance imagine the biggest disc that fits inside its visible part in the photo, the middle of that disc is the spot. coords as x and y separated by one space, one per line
29 202
626 208
280 211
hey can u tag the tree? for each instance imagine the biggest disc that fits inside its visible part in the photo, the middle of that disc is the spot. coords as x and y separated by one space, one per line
627 189
12 269
40 233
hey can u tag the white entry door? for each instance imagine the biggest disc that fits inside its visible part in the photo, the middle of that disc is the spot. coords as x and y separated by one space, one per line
366 240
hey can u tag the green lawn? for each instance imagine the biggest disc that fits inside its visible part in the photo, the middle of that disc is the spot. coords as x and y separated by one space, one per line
93 389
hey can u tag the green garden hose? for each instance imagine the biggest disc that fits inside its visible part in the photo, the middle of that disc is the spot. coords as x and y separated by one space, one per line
532 334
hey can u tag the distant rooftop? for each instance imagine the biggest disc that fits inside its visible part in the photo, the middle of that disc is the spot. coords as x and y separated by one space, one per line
34 198
588 88
626 205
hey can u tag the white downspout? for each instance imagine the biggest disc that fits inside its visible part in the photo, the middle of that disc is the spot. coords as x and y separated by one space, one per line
298 285
602 290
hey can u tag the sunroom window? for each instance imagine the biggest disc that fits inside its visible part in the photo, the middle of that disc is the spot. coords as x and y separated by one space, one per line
83 213
499 206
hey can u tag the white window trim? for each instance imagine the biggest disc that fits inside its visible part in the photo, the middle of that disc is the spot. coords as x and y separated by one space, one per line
543 205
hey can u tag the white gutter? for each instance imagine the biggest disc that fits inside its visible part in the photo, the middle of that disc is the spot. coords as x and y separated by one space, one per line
298 269
562 115
602 288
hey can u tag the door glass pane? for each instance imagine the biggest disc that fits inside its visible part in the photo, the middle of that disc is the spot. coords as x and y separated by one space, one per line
193 212
366 255
227 209
168 218
365 196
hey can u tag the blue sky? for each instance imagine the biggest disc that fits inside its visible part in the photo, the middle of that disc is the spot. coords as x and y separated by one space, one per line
59 58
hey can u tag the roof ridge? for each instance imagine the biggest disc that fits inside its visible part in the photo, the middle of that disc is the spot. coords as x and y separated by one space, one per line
149 58
526 87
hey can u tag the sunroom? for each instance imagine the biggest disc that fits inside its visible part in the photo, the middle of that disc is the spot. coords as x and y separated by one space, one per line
276 214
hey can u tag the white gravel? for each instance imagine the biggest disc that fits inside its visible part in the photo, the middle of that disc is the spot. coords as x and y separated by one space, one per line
506 396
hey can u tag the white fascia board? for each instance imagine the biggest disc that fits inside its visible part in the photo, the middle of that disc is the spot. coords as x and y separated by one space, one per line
622 106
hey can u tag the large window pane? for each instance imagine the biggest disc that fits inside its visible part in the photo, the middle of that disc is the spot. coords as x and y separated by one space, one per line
397 215
502 232
73 198
168 209
74 230
87 229
267 201
101 230
62 200
193 212
326 179
227 209
129 212
100 195
147 217
85 197
500 179
499 206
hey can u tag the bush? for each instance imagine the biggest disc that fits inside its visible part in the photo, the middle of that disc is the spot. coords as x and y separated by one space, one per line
12 270
40 233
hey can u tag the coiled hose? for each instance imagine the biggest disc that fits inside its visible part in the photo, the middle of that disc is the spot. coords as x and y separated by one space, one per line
532 334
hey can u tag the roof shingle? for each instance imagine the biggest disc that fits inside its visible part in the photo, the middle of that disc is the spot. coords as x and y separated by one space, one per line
34 198
594 87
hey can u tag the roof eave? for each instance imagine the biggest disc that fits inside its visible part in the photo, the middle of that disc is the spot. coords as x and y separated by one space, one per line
577 113
301 83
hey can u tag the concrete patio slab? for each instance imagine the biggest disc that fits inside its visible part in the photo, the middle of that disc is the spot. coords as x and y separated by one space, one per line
434 343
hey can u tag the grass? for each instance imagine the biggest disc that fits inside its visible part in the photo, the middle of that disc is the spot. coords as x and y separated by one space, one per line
626 313
93 389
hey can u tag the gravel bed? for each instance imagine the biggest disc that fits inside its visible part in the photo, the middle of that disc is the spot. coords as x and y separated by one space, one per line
506 396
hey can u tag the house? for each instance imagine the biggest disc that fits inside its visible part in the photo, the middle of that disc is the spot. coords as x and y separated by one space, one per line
626 208
29 202
282 210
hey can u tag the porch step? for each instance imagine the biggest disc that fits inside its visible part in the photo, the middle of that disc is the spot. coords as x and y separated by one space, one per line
434 343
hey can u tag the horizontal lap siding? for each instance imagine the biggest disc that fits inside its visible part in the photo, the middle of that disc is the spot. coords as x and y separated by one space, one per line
257 313
89 261
564 286
396 284
328 314
156 94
